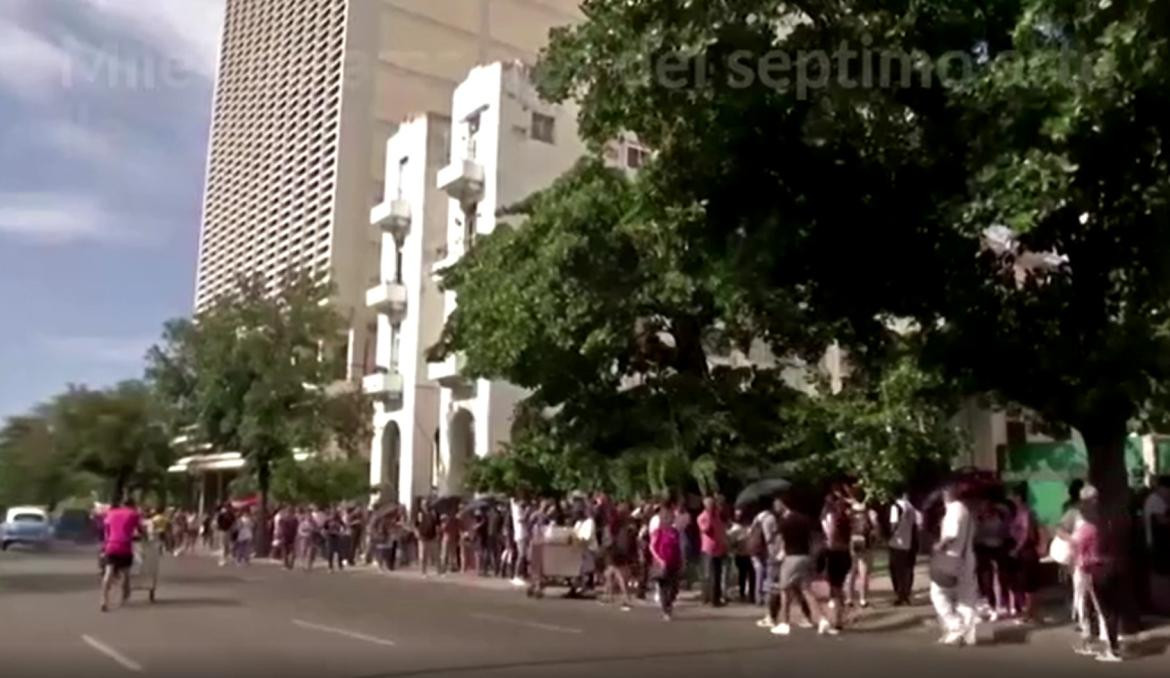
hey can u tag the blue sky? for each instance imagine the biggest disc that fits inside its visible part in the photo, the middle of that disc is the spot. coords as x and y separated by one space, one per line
104 108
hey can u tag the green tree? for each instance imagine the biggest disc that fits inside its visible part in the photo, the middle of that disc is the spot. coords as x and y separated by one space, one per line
826 205
117 434
34 468
250 372
596 304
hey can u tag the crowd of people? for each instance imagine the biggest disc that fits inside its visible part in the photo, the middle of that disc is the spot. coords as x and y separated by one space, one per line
984 545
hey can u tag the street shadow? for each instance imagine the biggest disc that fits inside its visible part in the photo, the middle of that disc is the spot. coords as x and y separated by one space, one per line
572 661
889 622
1151 647
49 583
1011 635
180 603
188 579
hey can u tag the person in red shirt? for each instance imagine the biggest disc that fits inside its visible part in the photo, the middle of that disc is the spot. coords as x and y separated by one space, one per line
713 542
121 525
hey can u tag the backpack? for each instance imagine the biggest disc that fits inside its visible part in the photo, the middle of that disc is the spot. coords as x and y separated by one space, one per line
757 544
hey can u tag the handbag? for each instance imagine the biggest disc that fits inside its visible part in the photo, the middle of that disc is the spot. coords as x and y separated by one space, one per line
945 568
1060 551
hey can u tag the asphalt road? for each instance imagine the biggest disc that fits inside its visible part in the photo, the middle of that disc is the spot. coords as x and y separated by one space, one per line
263 621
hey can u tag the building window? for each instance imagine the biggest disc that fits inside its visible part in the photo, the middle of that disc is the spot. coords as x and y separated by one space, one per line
469 225
472 133
543 127
402 164
636 157
395 343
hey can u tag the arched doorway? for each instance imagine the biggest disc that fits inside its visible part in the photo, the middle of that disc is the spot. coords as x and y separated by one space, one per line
391 461
461 429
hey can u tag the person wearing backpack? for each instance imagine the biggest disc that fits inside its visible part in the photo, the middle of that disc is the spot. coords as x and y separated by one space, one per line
737 542
903 547
757 548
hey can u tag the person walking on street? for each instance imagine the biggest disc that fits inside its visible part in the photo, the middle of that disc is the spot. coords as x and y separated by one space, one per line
1103 582
666 551
286 532
953 587
334 530
795 575
450 533
838 561
479 541
309 534
225 525
737 545
713 543
903 547
122 523
426 528
519 513
762 530
862 526
1024 556
245 533
619 550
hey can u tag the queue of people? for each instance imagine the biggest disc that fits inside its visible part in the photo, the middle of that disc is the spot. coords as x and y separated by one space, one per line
984 546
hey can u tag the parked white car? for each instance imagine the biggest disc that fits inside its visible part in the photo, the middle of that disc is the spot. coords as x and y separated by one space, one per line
28 525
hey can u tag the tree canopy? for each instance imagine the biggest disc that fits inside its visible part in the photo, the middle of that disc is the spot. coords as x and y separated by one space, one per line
1017 206
250 374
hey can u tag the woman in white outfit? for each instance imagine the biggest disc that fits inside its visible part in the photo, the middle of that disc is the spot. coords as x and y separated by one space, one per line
954 590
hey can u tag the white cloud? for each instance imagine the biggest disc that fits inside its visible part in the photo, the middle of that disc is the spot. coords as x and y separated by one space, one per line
30 66
110 350
79 141
56 218
186 30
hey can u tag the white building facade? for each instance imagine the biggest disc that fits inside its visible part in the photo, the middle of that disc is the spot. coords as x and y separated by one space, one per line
506 144
412 221
448 179
306 94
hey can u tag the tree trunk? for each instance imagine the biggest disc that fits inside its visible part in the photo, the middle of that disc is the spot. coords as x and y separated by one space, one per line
263 480
1105 444
120 481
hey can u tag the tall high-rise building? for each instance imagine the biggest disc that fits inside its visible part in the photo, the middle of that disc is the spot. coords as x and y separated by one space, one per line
307 93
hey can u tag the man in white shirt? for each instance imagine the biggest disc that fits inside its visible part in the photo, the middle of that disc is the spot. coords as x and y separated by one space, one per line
520 536
955 601
904 523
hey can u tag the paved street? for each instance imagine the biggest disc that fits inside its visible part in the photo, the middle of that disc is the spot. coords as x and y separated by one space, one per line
262 621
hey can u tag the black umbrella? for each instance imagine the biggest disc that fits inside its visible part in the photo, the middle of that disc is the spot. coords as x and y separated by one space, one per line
480 504
446 504
762 491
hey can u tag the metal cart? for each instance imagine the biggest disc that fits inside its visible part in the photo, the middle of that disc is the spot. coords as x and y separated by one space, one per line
144 573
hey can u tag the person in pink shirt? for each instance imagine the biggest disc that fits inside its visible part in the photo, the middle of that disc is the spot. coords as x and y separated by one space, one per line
667 558
713 543
122 524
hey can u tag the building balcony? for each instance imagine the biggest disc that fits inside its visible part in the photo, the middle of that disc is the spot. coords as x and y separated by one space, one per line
449 372
387 298
392 217
463 181
385 386
340 387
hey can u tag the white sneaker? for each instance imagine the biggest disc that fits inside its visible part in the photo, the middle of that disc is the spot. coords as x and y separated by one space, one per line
826 629
781 630
517 581
971 636
765 623
805 624
1108 657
